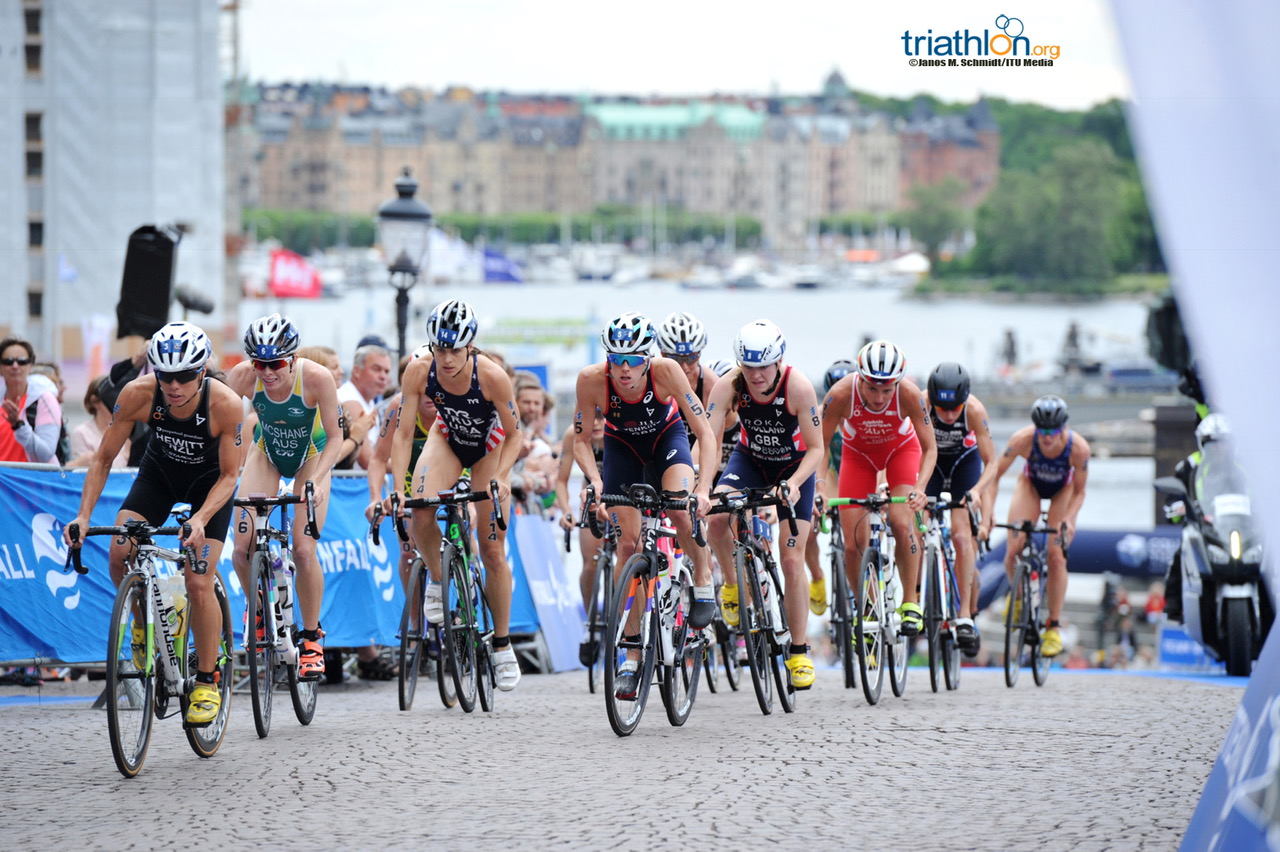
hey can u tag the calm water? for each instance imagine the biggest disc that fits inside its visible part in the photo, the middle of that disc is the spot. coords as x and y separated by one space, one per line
820 325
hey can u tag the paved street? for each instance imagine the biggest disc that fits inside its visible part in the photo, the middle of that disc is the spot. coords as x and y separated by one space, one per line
1090 761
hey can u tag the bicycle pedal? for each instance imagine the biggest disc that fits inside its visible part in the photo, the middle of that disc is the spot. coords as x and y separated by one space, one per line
190 726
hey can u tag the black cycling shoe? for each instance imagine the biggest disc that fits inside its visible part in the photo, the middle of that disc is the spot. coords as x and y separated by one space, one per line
587 652
702 613
967 639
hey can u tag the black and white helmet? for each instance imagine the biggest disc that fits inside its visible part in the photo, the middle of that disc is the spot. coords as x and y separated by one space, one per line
452 325
271 337
881 362
759 344
681 334
629 334
179 346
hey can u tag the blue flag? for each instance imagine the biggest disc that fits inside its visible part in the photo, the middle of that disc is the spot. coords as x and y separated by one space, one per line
501 269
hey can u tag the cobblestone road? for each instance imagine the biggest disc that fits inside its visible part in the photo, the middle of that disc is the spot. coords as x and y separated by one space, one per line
1090 761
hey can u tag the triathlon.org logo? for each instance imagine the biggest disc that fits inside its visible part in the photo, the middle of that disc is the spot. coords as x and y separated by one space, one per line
1007 46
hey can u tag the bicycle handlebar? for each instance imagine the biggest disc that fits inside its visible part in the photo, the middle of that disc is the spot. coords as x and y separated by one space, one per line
264 505
745 499
455 497
644 497
586 519
135 530
1030 528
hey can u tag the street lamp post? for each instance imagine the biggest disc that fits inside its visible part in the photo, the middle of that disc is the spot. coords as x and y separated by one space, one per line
403 227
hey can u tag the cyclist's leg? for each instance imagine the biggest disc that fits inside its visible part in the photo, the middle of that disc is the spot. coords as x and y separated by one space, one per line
1056 587
857 480
206 612
493 546
588 545
738 473
437 470
902 469
310 583
678 476
1024 505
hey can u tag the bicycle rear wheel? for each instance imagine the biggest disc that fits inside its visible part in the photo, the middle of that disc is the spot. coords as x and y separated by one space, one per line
752 626
412 640
711 659
1039 663
680 682
598 603
870 629
130 689
206 740
726 639
1015 624
459 644
899 646
933 615
633 595
842 625
779 640
951 647
482 635
260 653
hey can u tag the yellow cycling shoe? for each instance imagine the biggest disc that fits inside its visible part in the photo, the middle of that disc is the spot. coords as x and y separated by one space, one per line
203 704
729 604
818 596
1050 642
801 669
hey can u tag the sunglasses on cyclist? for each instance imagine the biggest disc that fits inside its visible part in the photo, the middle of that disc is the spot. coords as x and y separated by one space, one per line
628 360
274 364
683 359
181 376
15 362
1048 433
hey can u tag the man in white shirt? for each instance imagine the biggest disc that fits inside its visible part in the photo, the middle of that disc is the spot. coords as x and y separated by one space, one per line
360 394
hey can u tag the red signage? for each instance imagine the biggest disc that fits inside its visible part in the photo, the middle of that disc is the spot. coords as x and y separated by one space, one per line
292 277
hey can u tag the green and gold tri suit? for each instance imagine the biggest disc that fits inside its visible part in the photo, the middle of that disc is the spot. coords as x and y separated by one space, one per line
289 432
420 433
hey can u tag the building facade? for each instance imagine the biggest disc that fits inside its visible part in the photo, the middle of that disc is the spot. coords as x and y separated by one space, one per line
112 119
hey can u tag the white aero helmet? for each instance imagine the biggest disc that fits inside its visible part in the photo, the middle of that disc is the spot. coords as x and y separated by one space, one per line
629 334
452 325
179 346
681 334
759 344
720 366
1213 428
271 337
881 362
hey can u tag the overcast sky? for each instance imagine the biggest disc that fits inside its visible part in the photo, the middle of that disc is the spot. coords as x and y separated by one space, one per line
675 46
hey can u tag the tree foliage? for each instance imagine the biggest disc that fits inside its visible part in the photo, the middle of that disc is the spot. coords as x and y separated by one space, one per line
936 213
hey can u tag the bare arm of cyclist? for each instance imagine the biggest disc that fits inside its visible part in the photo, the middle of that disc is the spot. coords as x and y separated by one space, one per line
132 406
226 420
590 392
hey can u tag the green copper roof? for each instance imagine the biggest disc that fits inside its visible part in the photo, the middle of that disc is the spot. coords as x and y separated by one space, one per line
672 121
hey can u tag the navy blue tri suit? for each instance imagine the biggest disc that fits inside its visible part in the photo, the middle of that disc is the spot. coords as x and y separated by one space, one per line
641 439
770 448
1049 475
180 465
959 465
468 421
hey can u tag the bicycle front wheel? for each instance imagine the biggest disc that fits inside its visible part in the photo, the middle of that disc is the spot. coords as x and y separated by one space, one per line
260 651
1015 623
1039 663
779 641
870 629
459 626
931 572
950 646
131 684
206 740
411 633
752 625
632 602
899 646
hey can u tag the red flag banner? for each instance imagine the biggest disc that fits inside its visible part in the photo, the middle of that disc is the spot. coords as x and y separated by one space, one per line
292 277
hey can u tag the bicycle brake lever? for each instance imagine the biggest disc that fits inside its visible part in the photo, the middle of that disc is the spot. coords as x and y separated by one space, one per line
73 552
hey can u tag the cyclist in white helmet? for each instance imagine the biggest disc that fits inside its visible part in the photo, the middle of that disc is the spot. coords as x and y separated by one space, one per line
298 437
884 426
475 427
780 444
192 456
642 399
681 337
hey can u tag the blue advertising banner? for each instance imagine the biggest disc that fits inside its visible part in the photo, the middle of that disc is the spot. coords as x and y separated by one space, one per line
47 611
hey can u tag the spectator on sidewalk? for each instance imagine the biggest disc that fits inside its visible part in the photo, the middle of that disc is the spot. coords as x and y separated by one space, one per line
31 424
87 436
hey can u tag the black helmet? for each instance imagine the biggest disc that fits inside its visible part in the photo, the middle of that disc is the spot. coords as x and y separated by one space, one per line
948 385
836 372
1049 412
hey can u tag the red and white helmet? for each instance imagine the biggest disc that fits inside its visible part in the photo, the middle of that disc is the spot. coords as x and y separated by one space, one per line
881 363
